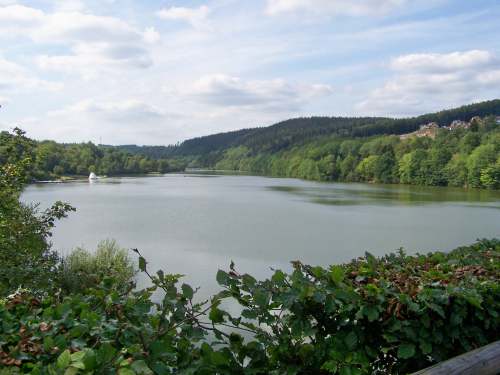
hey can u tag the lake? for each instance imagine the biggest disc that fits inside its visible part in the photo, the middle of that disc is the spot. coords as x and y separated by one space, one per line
196 223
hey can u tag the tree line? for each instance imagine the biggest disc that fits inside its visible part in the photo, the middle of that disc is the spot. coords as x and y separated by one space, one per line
462 157
294 132
51 160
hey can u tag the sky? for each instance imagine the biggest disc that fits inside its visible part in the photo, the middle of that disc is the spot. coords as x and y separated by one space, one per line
159 72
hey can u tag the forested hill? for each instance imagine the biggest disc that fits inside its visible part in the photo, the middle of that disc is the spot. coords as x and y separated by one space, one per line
300 130
49 160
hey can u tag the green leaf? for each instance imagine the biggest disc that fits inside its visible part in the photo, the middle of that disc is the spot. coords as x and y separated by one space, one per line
142 264
125 371
351 340
141 368
222 277
406 351
64 359
371 313
71 371
187 291
336 274
216 315
77 359
248 280
425 347
48 343
262 298
105 353
90 360
219 358
279 276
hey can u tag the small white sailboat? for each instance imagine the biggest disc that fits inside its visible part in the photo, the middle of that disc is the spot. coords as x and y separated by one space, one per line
92 176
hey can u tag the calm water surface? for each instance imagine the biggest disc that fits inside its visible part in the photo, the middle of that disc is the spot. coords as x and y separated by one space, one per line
196 223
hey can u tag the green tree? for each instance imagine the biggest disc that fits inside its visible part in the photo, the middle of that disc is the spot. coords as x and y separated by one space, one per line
26 258
490 176
482 157
366 168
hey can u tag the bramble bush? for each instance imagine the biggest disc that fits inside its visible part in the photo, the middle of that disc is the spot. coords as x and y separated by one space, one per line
394 314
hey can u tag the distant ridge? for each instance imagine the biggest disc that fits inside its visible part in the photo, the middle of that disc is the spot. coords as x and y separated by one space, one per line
296 131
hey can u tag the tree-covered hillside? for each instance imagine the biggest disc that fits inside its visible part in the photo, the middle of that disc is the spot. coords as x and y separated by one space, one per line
297 131
465 157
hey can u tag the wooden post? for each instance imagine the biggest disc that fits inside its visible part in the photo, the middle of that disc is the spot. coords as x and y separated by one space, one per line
482 361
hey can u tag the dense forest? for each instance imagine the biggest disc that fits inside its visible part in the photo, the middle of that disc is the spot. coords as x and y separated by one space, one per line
82 314
356 149
461 157
364 149
51 160
297 131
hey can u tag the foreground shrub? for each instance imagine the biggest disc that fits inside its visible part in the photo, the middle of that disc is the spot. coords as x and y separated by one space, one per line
389 315
82 270
26 257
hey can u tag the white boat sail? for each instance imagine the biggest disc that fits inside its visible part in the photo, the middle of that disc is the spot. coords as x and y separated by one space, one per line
92 176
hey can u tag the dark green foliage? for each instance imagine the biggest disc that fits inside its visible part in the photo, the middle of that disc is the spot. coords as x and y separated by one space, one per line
461 157
394 314
295 132
51 160
25 256
355 149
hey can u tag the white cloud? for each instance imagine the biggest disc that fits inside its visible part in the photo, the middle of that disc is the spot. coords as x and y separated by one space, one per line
95 42
151 35
449 62
89 28
89 59
270 95
15 78
129 111
19 14
69 5
333 7
109 121
426 82
195 16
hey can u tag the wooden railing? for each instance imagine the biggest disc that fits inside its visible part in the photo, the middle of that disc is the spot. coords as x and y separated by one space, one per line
482 361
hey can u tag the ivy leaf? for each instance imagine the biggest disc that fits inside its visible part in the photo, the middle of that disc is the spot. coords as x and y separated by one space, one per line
406 351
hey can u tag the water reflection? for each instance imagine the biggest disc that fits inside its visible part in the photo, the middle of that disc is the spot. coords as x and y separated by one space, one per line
361 194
